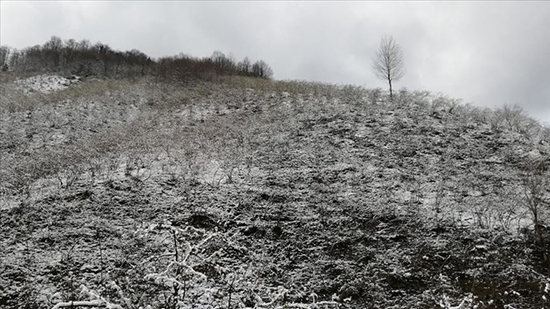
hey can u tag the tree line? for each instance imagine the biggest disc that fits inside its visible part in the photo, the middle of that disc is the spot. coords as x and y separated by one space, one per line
86 59
183 67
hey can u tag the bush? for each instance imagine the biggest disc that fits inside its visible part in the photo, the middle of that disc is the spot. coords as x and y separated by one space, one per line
535 180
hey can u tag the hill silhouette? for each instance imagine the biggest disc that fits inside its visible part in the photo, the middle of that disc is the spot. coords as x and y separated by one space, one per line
234 192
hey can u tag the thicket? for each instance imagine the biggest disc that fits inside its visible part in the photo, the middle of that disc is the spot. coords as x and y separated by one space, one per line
100 60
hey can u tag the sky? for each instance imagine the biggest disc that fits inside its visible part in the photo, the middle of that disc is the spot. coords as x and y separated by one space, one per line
487 53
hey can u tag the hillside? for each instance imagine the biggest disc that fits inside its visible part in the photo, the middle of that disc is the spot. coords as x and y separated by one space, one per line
240 192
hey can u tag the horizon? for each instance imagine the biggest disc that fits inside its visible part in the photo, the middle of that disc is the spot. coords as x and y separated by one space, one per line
487 54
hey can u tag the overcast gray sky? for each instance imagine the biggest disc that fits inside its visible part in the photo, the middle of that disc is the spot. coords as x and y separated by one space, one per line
487 53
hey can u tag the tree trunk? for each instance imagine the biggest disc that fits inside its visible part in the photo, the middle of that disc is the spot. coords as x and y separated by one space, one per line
538 228
391 90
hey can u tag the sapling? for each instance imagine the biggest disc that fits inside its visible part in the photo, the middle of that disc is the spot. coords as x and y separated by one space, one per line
535 182
230 292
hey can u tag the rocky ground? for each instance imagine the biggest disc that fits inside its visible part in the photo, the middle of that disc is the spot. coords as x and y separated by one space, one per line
244 194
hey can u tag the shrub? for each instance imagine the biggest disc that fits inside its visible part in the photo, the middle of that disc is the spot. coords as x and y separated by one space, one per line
535 181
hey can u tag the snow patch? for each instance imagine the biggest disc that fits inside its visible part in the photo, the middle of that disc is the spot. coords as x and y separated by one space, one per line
45 83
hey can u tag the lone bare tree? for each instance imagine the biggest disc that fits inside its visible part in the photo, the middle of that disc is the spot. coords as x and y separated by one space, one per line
388 62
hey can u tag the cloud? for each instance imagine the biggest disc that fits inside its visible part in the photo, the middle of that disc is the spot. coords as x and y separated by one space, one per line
488 53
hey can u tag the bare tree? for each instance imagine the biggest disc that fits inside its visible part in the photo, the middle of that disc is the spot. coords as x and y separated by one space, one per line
244 67
388 62
52 51
4 57
261 69
224 65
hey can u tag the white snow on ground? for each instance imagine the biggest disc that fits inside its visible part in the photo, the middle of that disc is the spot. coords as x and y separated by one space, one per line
45 83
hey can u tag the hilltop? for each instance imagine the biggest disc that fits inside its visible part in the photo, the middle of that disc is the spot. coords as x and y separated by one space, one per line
234 192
